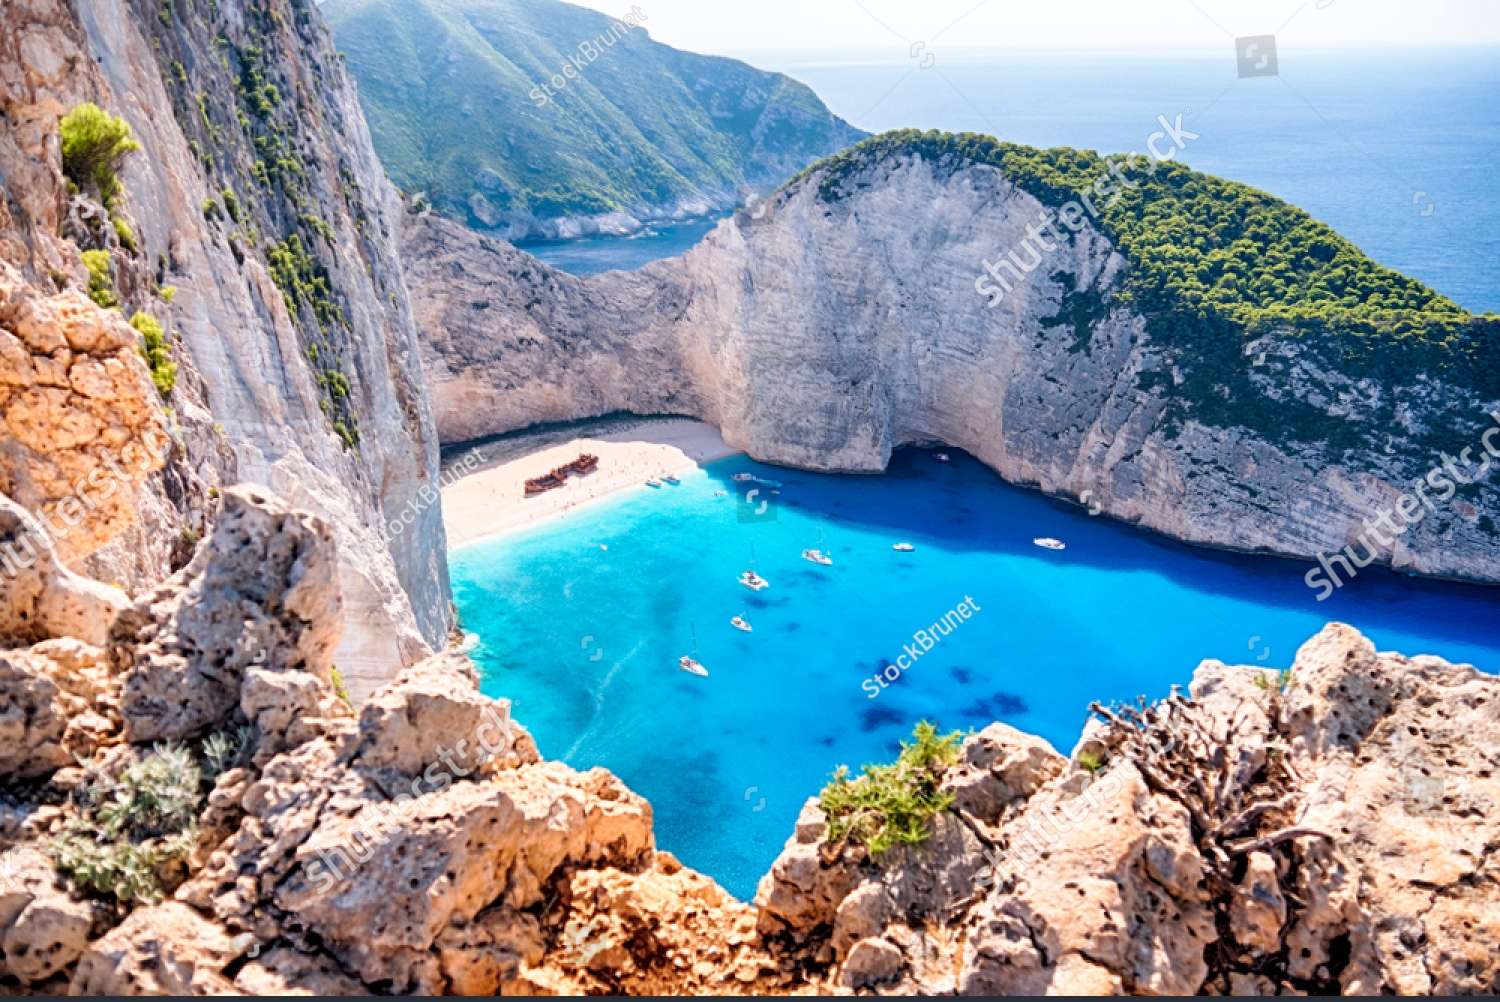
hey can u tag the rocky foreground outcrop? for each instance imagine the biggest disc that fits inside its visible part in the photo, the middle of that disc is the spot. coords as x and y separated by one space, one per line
1332 830
840 320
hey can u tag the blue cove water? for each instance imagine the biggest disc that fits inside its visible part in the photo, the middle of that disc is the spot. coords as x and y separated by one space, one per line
591 255
582 621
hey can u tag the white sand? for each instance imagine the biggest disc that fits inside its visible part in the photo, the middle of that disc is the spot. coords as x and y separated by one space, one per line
492 500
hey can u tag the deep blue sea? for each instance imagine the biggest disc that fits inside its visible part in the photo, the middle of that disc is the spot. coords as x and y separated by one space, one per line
1396 149
582 621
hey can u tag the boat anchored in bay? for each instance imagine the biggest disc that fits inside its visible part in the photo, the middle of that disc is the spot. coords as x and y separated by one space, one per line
754 581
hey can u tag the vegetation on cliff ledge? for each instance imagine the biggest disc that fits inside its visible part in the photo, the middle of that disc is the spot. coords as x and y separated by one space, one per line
891 805
156 353
94 145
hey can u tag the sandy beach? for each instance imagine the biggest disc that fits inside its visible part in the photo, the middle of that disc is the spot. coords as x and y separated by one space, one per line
490 500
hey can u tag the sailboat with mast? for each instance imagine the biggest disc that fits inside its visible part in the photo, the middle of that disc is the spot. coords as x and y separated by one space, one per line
750 579
690 663
816 554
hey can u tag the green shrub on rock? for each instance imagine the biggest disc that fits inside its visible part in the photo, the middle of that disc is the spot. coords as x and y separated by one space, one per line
154 350
101 283
94 145
133 827
891 805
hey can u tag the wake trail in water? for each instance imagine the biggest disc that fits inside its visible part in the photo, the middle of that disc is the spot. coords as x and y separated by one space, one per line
598 695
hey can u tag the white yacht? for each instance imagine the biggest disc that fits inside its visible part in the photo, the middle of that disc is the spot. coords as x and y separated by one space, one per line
902 547
1048 543
741 623
817 557
754 581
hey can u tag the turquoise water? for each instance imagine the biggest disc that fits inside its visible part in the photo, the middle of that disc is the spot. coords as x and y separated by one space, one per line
1393 148
582 621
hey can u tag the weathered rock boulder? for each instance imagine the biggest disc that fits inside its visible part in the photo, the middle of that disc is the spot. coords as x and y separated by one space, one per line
83 424
261 594
43 929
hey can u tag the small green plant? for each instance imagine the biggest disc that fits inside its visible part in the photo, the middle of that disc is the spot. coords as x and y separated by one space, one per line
101 284
154 350
347 433
891 805
167 293
339 688
225 750
123 232
94 145
231 204
211 210
1267 682
1090 762
134 826
124 871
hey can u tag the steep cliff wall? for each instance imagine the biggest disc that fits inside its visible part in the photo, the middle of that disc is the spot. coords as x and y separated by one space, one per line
842 320
256 197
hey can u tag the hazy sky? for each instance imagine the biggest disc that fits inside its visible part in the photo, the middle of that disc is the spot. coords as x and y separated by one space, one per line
727 26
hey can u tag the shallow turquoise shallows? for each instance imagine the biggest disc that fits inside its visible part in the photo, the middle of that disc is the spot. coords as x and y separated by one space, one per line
582 621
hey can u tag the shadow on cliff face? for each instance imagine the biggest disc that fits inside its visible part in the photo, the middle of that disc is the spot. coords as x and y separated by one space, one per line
961 506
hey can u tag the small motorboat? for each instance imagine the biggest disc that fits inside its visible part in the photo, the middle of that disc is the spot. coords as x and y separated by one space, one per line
720 494
740 623
653 482
817 557
768 483
754 581
691 666
743 478
902 547
1048 543
671 479
941 457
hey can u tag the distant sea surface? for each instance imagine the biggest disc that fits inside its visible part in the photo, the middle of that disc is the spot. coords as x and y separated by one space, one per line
1396 149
